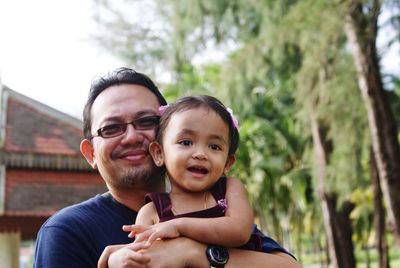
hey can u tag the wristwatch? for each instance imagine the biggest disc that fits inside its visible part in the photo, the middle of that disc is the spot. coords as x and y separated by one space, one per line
217 256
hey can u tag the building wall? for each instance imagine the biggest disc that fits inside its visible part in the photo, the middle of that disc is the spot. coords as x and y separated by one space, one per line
43 192
31 196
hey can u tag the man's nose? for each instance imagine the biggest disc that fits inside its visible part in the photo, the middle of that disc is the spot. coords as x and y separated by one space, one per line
132 135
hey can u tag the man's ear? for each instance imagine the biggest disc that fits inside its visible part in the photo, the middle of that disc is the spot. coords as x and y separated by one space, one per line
157 153
229 163
88 152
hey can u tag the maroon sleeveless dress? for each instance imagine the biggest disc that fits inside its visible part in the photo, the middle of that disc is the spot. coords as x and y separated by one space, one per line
163 204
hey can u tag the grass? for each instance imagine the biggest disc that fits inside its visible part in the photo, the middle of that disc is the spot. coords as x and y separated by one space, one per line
314 260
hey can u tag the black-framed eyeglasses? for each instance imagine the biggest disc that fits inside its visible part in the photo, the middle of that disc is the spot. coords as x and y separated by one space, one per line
114 130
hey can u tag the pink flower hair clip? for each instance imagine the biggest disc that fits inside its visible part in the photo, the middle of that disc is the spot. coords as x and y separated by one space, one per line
234 119
161 109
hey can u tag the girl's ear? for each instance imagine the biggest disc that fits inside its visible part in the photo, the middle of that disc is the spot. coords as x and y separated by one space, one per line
229 163
157 153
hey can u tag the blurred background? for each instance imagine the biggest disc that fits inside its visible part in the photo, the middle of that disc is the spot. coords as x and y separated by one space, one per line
314 83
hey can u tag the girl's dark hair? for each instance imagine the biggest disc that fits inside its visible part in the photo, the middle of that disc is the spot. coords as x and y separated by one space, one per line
191 102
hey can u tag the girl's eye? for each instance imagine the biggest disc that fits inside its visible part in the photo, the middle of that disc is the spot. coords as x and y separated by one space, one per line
215 147
185 142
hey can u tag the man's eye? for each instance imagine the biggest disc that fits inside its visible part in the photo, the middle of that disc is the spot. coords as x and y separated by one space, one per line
111 130
215 147
185 142
147 122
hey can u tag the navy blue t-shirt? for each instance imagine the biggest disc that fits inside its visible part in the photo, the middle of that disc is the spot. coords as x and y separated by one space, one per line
77 235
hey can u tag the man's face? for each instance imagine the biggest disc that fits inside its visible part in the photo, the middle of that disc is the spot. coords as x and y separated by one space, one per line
124 160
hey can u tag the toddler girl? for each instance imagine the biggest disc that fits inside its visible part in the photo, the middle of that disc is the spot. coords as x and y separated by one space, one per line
196 142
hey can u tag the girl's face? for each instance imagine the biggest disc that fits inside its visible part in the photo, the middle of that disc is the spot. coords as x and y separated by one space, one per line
194 149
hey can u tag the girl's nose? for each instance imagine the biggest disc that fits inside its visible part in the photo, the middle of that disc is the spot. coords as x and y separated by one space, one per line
199 154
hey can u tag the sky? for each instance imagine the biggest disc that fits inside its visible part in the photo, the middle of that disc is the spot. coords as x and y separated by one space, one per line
46 52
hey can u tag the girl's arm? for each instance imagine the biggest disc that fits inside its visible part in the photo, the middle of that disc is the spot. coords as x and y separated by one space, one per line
234 229
146 216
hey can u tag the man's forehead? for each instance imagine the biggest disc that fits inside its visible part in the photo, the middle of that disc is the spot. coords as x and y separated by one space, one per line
122 101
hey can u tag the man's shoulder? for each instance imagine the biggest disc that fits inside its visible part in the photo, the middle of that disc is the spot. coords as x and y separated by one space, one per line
70 238
74 214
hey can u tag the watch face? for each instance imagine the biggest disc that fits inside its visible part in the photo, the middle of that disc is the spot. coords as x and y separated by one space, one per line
220 254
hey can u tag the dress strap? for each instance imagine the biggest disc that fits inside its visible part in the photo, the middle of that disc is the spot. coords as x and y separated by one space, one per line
163 204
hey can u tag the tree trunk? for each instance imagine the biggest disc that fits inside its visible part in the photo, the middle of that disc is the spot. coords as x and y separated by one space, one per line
379 217
343 236
337 223
322 159
325 262
342 232
361 31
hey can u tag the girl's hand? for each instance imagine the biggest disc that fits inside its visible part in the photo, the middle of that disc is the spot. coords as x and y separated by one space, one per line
135 229
148 234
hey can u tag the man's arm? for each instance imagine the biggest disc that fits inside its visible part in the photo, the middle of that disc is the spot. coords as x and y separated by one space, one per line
162 253
126 257
249 258
57 247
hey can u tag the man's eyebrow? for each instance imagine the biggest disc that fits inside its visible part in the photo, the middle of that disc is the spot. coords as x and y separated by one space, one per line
139 114
145 112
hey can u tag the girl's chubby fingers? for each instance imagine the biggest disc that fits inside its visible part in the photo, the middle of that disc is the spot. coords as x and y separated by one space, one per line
127 228
132 234
135 228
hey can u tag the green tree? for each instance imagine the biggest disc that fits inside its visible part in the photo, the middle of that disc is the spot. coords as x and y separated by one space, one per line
362 30
289 74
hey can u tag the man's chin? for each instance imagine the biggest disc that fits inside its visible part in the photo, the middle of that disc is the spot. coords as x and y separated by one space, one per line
136 176
146 175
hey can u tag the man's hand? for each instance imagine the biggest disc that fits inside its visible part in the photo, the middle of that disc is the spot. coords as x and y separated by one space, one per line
122 256
162 253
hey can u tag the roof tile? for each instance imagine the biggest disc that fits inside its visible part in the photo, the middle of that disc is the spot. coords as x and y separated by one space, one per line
30 131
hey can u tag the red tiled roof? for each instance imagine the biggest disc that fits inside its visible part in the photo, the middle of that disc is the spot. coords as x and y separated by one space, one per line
29 130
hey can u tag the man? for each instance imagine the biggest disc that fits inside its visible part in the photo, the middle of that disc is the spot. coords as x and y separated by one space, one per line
120 118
